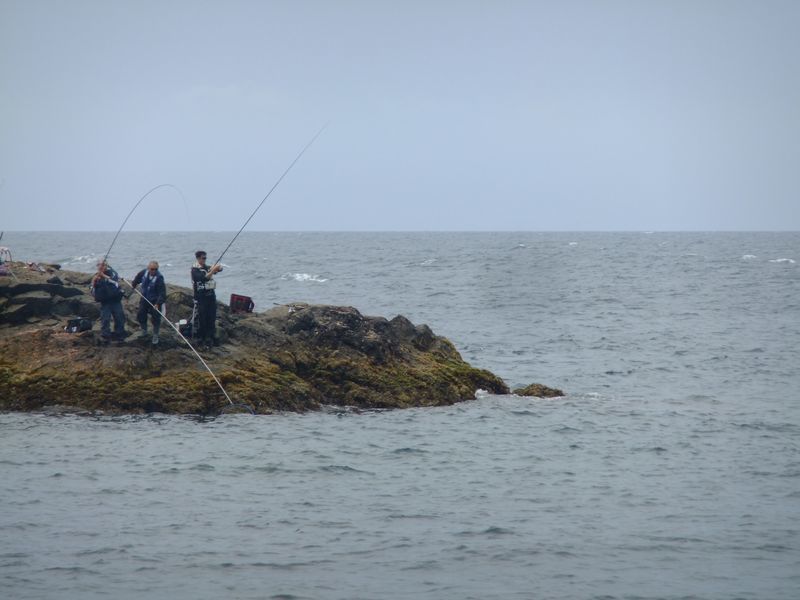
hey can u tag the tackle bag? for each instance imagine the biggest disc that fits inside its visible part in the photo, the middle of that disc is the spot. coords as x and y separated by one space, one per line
78 325
186 328
241 304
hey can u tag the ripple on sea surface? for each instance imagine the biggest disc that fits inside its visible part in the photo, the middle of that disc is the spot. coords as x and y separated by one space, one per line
669 471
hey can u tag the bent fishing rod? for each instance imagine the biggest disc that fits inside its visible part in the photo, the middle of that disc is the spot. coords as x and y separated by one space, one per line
253 214
105 259
135 206
196 353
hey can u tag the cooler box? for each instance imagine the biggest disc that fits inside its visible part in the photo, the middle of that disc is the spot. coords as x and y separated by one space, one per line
241 304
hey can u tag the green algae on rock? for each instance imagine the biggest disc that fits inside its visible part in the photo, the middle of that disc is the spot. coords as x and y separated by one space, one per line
295 357
538 390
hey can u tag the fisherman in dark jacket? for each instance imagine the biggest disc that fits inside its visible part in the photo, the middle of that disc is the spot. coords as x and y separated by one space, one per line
205 297
154 294
105 289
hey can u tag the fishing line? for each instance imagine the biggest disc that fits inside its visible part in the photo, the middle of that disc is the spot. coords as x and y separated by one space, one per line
289 168
135 206
196 353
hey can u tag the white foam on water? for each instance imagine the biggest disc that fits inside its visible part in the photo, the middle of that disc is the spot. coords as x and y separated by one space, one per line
788 261
85 259
748 257
427 262
573 243
303 277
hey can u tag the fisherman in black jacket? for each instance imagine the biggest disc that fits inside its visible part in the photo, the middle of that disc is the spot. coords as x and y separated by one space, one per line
154 294
205 297
105 290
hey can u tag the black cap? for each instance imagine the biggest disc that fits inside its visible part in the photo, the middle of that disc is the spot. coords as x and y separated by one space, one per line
199 253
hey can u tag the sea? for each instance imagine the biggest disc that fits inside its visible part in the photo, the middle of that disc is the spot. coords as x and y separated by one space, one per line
669 470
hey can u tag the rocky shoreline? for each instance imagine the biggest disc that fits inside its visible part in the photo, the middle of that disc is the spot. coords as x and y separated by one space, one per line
296 357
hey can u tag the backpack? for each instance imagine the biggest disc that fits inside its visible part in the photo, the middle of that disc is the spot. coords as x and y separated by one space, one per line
78 325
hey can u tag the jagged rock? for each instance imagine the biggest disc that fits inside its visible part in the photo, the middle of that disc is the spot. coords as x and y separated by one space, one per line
76 278
538 390
292 357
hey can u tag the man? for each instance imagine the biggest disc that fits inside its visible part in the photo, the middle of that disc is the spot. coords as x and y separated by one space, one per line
105 290
154 294
205 297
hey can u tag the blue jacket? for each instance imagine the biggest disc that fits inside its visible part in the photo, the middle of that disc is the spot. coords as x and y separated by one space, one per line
153 286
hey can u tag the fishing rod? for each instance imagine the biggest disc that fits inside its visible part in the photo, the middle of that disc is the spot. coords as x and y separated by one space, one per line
289 168
196 353
135 206
105 258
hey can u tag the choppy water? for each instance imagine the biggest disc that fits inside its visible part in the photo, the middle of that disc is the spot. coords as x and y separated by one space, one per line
671 470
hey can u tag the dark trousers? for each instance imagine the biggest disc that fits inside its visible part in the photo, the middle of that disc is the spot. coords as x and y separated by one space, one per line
207 317
109 310
155 316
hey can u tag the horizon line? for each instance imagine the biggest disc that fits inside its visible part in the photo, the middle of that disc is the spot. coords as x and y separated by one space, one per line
205 231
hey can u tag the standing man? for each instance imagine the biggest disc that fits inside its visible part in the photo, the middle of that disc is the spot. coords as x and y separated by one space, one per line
105 289
205 297
154 294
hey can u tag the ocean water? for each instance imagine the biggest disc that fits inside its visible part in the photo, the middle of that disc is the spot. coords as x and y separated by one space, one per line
670 470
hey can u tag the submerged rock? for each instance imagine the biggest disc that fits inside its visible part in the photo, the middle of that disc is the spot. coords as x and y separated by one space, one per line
538 390
293 357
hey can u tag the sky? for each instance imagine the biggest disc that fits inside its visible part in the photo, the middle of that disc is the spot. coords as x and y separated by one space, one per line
442 115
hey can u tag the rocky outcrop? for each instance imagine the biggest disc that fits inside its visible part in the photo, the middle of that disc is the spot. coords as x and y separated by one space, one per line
538 390
294 357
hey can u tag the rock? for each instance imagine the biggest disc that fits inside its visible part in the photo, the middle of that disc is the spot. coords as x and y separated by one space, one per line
75 278
30 304
23 284
538 390
294 357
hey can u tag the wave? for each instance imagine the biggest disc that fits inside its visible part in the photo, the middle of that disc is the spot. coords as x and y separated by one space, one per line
748 257
303 277
788 261
341 469
85 259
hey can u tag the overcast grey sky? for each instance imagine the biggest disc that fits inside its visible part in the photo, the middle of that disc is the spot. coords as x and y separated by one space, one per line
444 115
